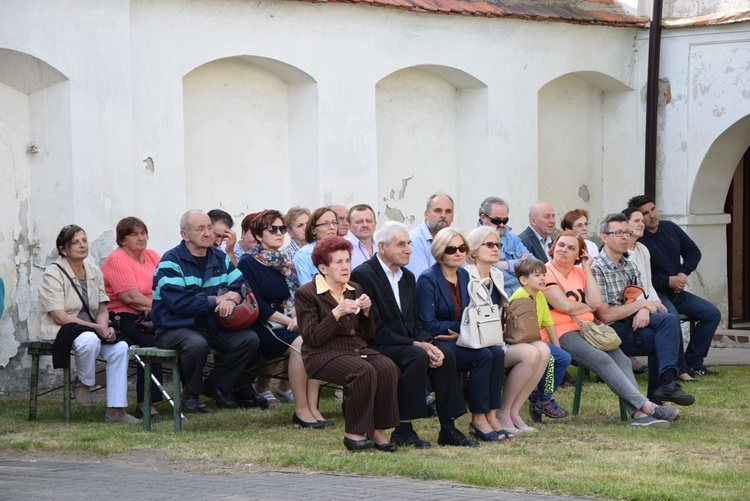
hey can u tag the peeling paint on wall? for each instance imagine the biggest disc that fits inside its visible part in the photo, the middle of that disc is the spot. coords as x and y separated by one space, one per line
583 192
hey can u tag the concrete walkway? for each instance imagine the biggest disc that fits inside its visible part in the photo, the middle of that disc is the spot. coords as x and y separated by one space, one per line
40 477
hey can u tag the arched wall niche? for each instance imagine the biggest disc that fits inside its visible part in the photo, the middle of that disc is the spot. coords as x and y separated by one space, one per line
251 135
432 136
582 119
36 180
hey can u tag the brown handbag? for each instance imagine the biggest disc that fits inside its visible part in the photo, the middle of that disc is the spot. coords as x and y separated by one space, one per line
521 321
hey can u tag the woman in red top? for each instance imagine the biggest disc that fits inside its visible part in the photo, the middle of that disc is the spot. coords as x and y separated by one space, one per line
128 280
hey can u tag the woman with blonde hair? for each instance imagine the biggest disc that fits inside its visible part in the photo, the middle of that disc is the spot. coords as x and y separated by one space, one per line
442 296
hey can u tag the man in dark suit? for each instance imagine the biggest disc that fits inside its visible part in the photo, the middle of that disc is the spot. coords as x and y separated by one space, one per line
538 236
400 337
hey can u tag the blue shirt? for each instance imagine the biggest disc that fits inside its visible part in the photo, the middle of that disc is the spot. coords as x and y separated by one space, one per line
359 250
421 257
304 265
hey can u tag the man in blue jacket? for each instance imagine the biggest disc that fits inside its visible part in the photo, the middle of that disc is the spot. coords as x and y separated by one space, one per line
674 256
186 301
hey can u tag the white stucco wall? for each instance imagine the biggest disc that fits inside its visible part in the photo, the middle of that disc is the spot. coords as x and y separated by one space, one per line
153 107
703 133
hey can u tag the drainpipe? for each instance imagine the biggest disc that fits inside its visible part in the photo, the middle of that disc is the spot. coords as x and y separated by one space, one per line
652 98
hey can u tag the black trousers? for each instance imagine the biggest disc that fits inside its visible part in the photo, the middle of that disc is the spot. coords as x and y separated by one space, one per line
134 335
236 348
414 364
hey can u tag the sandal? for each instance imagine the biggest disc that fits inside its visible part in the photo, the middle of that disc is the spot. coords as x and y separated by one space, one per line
491 436
551 409
536 415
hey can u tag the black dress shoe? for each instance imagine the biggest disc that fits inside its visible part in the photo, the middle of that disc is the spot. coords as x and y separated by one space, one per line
386 447
314 424
358 445
223 400
325 422
454 437
191 404
409 438
254 401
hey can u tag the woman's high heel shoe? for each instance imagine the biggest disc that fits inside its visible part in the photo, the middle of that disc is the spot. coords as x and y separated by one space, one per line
315 424
491 436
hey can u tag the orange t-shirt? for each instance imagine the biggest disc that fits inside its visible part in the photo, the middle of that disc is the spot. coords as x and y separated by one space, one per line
574 285
122 273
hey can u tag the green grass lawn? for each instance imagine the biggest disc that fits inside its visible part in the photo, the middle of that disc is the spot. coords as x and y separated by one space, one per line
705 455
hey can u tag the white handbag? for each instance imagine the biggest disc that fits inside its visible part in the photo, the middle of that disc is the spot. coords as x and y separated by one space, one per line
481 324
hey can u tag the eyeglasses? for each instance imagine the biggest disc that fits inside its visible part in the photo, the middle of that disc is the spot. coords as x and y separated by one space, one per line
492 245
276 229
329 224
452 249
497 221
620 233
581 225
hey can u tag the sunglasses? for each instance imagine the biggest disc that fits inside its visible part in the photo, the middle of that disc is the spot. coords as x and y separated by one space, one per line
497 221
492 245
276 229
452 249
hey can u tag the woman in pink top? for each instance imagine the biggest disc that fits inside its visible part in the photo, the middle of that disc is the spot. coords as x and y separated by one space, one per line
572 290
128 280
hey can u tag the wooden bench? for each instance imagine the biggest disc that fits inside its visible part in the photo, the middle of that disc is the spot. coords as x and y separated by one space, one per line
150 355
38 349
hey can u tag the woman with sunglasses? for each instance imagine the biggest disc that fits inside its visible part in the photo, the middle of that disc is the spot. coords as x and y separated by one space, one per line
526 362
323 223
442 296
273 279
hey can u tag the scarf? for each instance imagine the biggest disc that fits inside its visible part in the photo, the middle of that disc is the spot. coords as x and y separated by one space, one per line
281 263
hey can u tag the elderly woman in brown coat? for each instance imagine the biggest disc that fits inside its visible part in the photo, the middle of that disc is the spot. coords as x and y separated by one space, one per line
335 324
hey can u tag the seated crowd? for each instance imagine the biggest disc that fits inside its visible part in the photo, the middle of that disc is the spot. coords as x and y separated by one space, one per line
378 310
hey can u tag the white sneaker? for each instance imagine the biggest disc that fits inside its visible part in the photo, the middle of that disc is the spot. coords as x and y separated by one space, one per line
284 395
338 394
272 400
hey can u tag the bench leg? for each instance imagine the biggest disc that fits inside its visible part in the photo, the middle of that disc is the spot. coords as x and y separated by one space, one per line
578 390
66 396
33 386
147 395
177 385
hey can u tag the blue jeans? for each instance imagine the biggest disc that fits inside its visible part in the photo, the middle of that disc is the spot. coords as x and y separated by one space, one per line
486 374
707 317
661 337
560 367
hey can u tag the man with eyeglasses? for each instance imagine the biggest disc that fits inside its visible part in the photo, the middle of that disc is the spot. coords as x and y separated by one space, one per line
674 256
493 212
642 329
437 215
538 236
361 227
342 216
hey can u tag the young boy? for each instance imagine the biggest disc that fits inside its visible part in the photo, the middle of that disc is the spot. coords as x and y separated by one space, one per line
530 273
